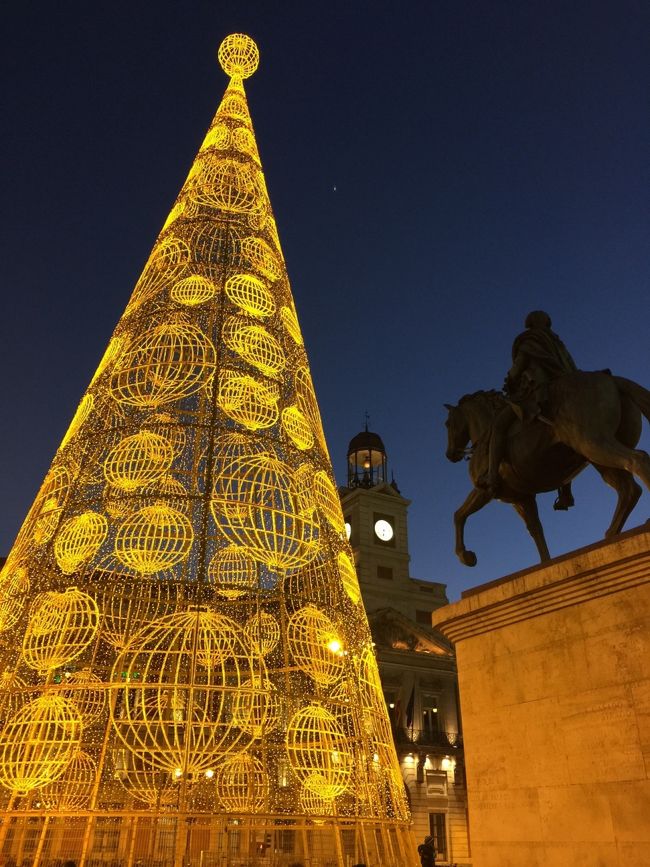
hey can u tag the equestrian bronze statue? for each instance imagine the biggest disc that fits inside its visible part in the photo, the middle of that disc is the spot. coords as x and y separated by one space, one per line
552 421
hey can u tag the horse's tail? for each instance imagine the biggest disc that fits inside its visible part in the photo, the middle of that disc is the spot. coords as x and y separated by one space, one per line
637 394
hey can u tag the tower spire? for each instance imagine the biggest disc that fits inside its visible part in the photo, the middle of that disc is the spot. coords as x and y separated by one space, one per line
181 620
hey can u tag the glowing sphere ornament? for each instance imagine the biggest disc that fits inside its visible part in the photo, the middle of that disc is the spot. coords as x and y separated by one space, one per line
79 539
238 55
61 627
250 294
173 712
319 753
315 645
242 784
74 788
14 586
137 460
261 492
38 743
155 538
170 362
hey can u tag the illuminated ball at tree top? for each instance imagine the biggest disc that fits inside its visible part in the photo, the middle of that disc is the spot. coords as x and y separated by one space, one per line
238 55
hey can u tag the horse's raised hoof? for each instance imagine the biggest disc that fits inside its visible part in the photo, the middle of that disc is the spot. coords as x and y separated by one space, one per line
467 558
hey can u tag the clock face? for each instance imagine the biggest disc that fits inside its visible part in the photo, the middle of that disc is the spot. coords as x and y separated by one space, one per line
383 530
348 530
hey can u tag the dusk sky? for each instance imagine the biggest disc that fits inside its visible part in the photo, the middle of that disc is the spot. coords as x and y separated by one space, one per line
437 170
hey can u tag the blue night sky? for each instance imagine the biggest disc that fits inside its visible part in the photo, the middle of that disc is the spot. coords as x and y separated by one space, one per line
437 170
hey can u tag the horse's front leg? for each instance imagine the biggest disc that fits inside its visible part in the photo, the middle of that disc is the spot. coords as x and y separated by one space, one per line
527 509
477 498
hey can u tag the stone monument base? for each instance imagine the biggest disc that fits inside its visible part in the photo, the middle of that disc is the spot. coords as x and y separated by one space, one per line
554 677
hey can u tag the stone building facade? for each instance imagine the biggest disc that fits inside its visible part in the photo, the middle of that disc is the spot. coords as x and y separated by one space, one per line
416 663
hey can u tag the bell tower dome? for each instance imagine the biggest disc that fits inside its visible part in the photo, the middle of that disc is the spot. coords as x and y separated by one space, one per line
367 460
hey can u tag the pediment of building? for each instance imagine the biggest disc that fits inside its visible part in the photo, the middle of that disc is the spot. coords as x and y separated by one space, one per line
392 629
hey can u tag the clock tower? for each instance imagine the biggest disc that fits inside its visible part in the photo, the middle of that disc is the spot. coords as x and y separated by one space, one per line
376 523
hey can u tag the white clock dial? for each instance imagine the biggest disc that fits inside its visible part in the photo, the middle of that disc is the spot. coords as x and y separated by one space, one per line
383 530
348 530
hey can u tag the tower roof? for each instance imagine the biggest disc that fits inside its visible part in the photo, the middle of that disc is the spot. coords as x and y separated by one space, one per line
366 439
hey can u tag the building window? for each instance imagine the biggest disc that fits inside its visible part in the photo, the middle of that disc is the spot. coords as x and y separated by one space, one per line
386 572
438 830
429 728
423 617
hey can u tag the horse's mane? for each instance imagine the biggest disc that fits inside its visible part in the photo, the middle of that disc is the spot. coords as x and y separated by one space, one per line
491 400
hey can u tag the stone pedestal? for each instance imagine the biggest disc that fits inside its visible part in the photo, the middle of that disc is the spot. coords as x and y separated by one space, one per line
554 676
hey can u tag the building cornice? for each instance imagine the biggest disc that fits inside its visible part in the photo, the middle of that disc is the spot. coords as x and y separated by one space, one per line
588 573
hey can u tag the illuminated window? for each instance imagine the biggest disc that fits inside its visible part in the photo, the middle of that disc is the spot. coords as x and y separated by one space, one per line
429 731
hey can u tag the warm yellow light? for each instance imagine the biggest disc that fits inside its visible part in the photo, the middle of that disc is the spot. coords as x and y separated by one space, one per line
185 645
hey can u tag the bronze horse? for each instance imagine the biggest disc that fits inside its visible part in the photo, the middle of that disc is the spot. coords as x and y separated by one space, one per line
595 418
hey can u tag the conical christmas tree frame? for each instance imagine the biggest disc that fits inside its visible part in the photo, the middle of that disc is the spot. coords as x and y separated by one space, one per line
188 671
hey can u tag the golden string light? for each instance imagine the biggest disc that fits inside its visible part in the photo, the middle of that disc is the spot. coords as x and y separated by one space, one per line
185 651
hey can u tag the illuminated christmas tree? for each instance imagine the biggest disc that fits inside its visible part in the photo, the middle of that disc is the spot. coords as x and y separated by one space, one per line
188 671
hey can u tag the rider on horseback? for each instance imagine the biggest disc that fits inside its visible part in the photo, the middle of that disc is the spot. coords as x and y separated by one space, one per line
538 357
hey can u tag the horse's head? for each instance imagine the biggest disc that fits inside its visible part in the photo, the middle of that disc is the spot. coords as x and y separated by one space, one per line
457 433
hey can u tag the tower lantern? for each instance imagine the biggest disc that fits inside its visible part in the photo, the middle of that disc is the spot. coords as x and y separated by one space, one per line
367 460
186 557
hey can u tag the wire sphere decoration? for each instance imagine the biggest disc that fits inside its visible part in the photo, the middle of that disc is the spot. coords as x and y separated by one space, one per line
129 601
315 804
88 692
328 501
218 137
193 291
315 583
233 571
14 587
256 707
306 400
165 364
248 402
239 55
229 185
315 645
171 711
242 784
261 257
254 504
11 693
74 788
318 752
348 575
250 294
154 538
297 428
53 723
79 539
137 460
263 632
154 786
255 345
166 263
244 140
49 505
290 321
61 626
